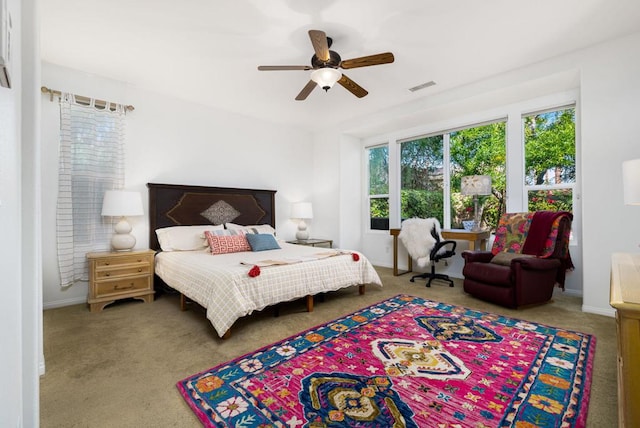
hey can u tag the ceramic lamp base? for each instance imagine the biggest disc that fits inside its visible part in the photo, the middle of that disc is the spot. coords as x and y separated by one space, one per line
302 232
123 240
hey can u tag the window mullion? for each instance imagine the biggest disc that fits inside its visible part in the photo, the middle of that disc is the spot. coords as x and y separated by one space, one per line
446 164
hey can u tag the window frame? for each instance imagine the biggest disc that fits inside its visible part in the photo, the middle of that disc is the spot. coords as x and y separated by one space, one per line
515 193
367 185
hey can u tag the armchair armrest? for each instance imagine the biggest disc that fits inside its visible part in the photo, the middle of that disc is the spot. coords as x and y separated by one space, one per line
437 252
535 263
477 256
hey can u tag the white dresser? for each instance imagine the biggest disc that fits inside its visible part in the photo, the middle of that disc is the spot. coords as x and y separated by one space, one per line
625 298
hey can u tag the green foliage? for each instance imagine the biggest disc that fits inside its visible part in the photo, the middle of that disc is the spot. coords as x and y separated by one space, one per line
379 170
551 200
479 151
550 146
421 203
421 164
379 208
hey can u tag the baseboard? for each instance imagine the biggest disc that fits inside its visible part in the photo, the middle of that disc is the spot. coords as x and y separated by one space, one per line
599 311
568 291
63 303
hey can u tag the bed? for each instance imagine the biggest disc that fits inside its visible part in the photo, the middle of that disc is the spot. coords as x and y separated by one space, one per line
233 284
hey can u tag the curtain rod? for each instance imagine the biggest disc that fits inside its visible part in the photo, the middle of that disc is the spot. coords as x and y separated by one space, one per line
79 98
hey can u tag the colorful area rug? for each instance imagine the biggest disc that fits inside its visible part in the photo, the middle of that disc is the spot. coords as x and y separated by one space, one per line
404 362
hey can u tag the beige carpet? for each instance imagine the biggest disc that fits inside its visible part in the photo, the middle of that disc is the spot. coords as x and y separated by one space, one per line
118 368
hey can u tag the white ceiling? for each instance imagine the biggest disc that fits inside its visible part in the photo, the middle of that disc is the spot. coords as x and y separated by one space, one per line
208 51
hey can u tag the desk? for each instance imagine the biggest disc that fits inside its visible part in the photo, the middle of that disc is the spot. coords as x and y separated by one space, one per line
454 234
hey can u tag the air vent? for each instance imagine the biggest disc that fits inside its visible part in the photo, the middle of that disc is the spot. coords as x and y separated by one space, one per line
422 86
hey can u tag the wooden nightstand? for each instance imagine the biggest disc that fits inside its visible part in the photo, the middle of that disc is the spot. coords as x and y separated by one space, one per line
313 242
119 275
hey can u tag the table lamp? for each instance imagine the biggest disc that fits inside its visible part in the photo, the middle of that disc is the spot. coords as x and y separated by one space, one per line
120 203
302 211
475 185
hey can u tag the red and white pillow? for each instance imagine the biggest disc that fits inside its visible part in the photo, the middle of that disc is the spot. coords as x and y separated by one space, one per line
224 244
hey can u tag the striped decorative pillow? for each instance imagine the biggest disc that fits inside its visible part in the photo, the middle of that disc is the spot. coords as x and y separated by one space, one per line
227 244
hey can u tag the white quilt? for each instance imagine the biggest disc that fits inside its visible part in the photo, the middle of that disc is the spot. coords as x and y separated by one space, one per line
221 283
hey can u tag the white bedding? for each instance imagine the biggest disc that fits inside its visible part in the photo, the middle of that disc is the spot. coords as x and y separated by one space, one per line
222 285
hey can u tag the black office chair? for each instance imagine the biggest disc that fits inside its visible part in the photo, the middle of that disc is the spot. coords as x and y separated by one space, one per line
439 250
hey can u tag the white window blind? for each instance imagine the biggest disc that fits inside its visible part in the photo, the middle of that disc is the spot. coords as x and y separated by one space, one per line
91 162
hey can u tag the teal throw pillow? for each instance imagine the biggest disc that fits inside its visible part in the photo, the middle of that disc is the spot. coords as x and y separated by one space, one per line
262 241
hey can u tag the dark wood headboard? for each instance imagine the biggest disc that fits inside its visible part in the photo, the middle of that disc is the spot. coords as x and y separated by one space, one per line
183 205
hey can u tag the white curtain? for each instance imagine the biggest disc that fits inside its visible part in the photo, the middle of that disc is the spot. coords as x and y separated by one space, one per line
91 162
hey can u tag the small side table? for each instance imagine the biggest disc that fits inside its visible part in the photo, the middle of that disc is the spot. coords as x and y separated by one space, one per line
313 242
120 275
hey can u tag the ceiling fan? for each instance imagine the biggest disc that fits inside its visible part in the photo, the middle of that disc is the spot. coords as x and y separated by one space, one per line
325 64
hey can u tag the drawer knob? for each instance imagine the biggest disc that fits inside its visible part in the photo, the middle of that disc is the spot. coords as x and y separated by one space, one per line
107 274
126 287
107 263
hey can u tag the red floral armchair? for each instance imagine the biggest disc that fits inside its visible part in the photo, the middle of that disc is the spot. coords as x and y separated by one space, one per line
530 255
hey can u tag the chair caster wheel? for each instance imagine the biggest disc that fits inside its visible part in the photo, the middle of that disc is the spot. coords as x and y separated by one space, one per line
412 280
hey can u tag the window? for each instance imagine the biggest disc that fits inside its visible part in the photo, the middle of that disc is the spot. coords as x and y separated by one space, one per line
550 159
378 197
431 169
479 150
422 178
91 162
530 157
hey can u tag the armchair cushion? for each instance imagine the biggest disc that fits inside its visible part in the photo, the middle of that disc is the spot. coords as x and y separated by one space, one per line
505 259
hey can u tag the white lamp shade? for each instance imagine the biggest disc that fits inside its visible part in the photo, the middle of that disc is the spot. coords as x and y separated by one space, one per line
302 210
631 181
119 203
326 77
475 185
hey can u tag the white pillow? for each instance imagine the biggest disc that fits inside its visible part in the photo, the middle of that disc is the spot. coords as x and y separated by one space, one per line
253 228
184 238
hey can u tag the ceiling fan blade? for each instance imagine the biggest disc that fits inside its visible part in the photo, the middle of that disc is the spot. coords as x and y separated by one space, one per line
352 87
304 93
365 61
283 67
320 44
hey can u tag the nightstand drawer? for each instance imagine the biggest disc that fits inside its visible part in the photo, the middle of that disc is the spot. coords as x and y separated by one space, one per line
122 270
106 262
106 288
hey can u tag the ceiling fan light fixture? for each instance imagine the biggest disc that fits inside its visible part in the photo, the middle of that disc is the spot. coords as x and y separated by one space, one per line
326 77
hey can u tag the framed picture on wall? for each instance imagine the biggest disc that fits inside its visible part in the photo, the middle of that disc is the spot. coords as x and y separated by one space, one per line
5 45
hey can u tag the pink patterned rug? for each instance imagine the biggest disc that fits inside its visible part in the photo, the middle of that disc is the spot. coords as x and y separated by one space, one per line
404 362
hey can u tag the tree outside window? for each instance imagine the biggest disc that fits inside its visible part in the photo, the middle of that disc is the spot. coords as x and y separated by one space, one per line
421 175
480 150
379 187
550 159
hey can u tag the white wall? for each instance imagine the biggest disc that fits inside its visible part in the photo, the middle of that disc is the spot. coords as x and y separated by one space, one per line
337 189
607 78
173 141
11 252
610 135
20 332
